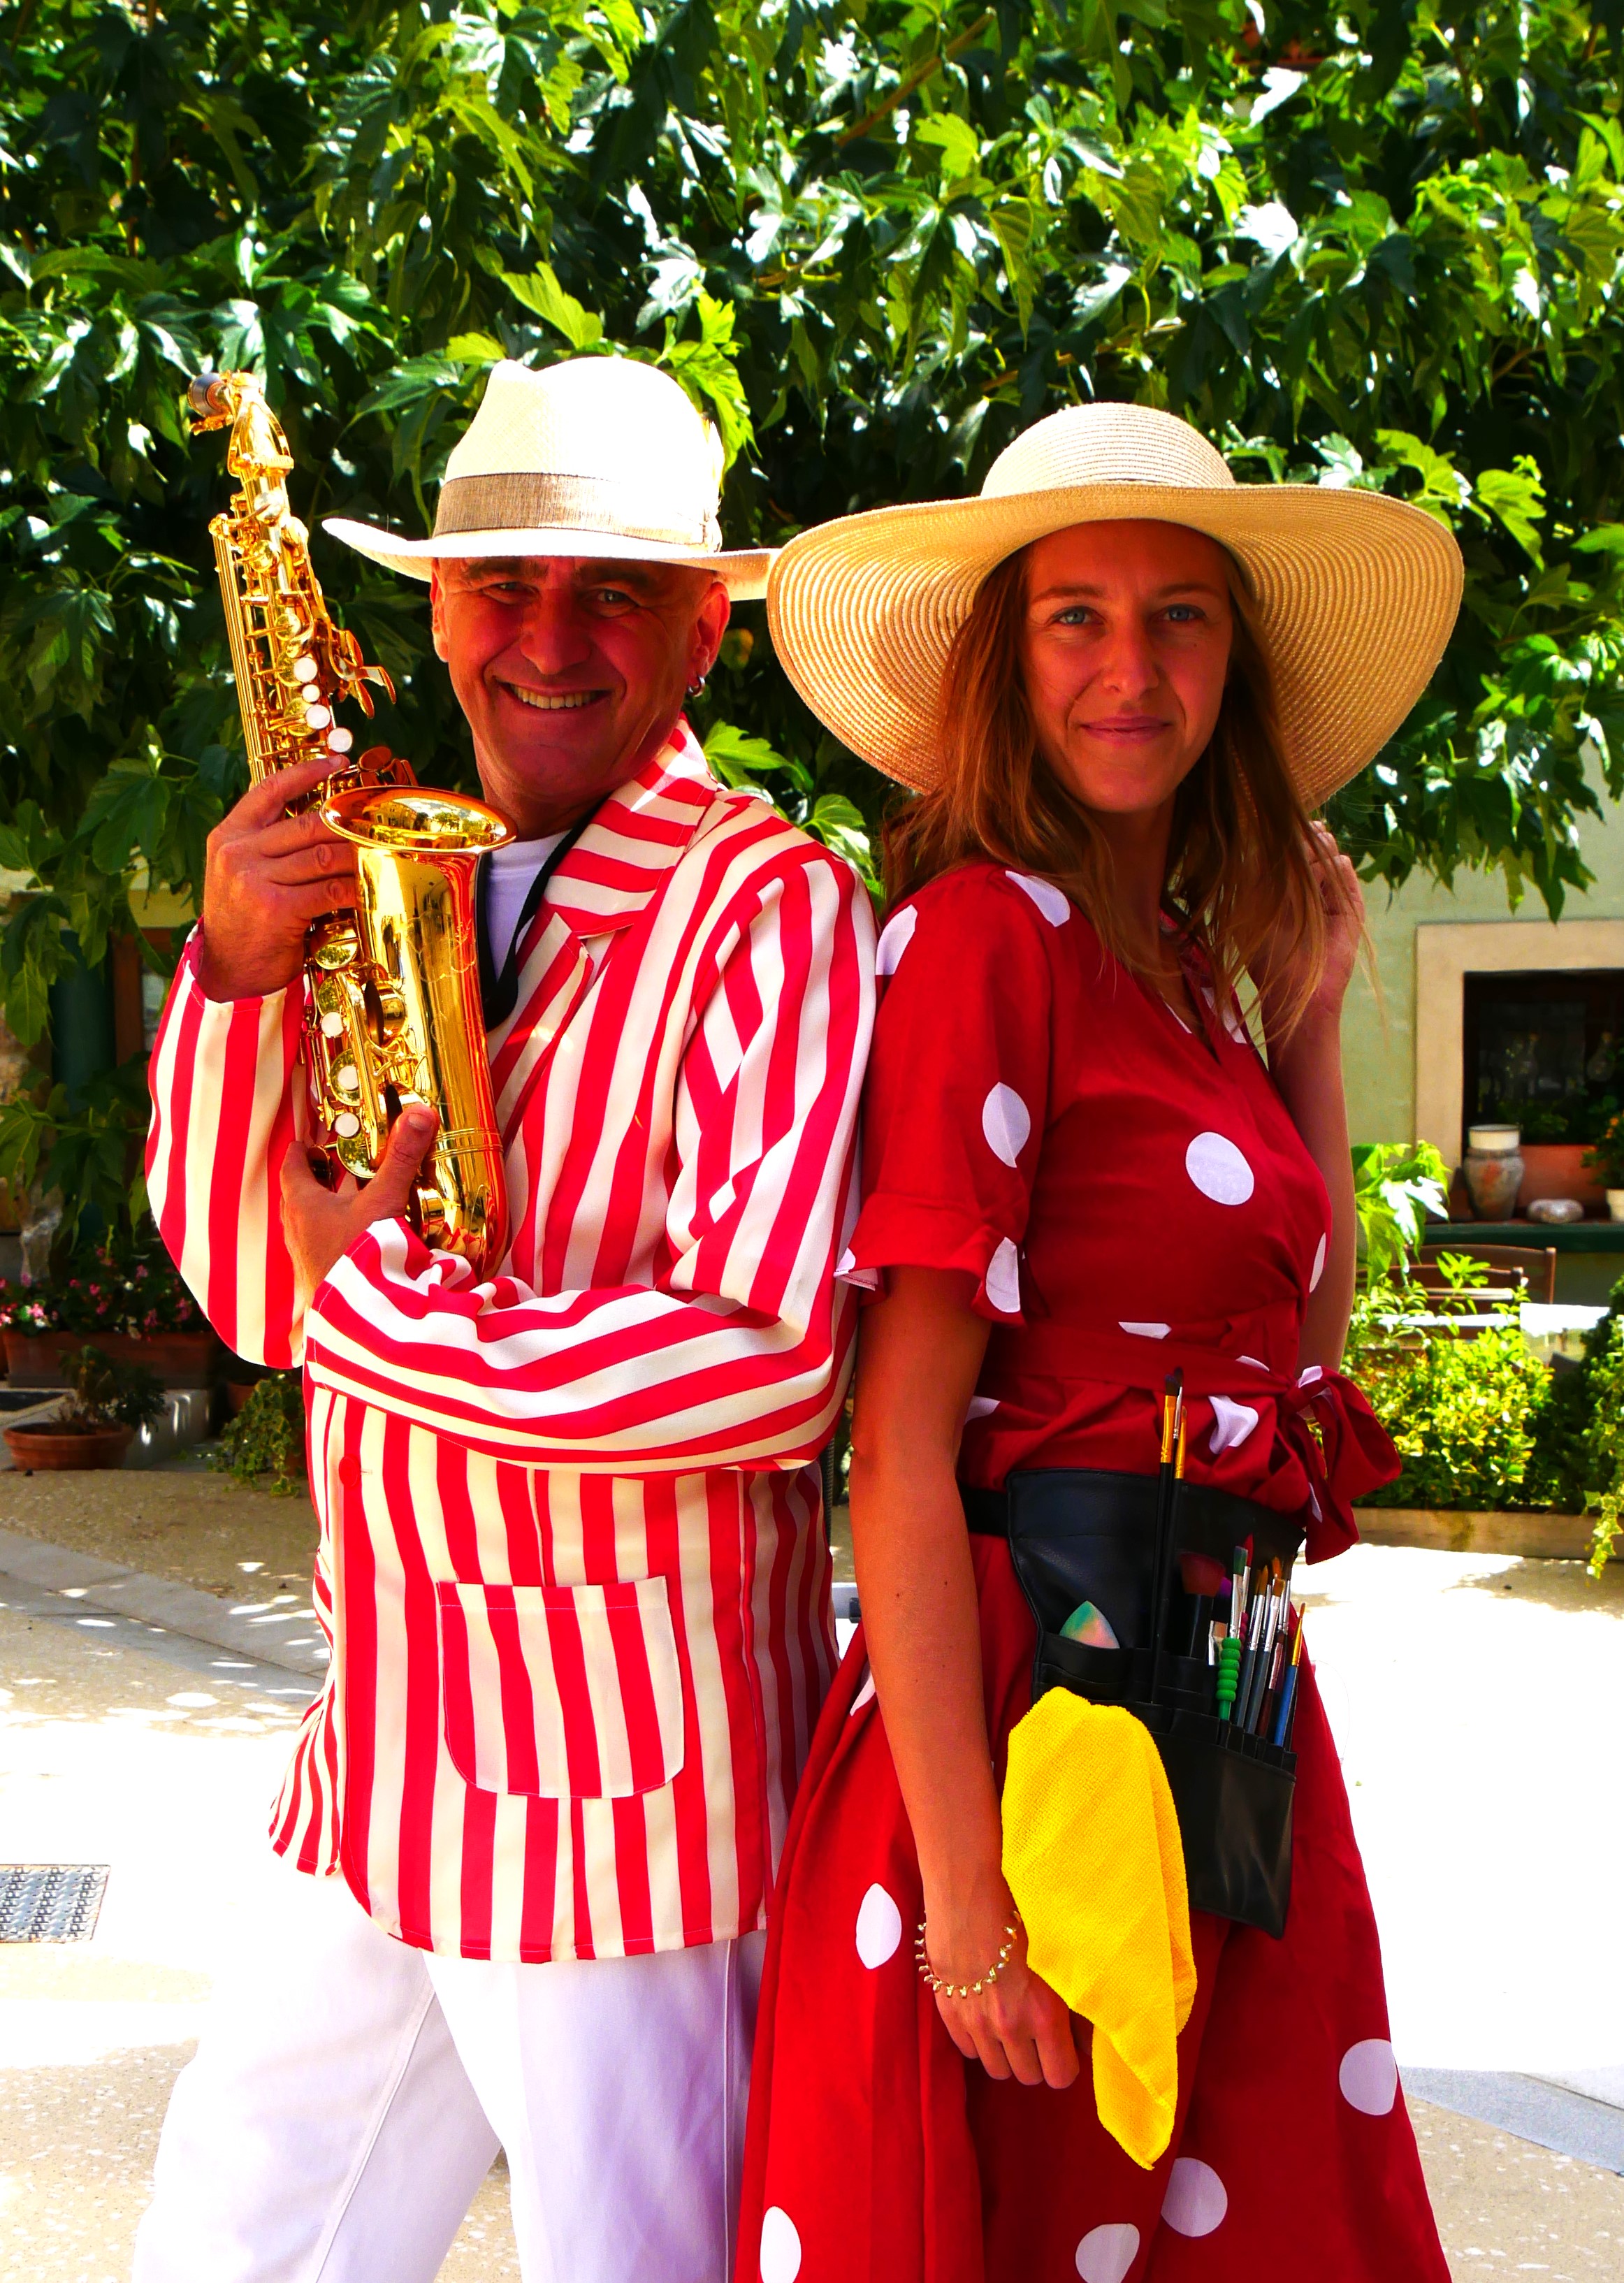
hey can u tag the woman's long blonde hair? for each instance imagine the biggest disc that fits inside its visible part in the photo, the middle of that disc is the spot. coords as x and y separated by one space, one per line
1239 854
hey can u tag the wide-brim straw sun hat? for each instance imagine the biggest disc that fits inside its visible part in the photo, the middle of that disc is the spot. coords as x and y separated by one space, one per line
1353 595
602 457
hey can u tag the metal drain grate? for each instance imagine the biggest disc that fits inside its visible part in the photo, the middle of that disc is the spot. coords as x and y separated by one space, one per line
50 1902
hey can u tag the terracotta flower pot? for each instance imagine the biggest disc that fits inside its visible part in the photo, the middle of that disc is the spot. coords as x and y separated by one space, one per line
53 1450
1557 1169
174 1359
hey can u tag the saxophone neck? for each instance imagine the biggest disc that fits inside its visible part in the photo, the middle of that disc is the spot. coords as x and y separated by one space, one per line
237 401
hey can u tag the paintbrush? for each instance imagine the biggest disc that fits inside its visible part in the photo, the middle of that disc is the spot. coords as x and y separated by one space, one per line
1260 1640
1264 1722
1284 1718
1204 1581
1172 1463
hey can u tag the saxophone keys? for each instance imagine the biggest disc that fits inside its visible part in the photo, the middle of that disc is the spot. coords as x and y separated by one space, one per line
386 1012
333 944
428 1213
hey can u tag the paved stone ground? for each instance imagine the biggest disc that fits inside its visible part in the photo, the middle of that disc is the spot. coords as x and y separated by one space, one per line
1475 1701
159 1759
181 1521
1503 2206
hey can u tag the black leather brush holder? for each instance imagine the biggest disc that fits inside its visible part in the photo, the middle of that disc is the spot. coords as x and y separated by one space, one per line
1078 1535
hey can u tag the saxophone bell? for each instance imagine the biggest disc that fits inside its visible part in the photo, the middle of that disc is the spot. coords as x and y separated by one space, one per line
407 972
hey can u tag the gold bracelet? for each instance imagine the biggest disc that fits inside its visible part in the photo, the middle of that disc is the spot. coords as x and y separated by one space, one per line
936 1983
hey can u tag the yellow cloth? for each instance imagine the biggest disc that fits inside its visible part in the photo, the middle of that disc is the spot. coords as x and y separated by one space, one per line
1092 1854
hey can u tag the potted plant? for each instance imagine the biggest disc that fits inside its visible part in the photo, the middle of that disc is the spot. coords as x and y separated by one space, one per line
1605 1161
106 1402
131 1303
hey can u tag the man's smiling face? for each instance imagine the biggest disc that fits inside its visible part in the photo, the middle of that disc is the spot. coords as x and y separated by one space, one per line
572 671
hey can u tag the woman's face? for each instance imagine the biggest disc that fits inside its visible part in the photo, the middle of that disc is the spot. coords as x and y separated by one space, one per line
1124 650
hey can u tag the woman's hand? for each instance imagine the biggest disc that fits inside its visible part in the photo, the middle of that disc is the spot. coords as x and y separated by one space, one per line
1275 970
919 1362
1017 2028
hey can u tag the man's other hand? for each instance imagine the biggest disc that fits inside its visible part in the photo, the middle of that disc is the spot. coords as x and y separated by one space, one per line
321 1224
269 875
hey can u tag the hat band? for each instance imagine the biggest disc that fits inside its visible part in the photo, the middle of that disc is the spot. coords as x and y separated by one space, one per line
554 502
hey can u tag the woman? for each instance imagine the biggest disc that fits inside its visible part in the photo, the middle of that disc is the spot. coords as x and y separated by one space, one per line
1120 683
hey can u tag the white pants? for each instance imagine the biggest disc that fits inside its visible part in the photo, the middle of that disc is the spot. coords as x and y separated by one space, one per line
349 2094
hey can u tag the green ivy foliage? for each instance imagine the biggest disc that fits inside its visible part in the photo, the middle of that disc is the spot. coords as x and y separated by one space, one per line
264 1447
1378 246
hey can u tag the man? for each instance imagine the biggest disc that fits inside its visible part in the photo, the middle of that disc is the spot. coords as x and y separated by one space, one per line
570 1560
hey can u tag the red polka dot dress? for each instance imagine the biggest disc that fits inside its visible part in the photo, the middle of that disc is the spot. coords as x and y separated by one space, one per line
1126 1194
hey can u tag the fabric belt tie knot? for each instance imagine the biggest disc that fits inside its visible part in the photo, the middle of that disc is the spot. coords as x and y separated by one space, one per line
1320 1420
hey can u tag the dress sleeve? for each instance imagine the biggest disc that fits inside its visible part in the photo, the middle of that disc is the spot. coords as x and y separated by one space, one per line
958 1087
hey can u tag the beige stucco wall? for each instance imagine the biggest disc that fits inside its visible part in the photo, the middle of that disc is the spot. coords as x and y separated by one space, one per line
1379 1041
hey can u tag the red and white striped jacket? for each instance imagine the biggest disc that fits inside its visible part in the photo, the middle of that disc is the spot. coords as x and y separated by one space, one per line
571 1564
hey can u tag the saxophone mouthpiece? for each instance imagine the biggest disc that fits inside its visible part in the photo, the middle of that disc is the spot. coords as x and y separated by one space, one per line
207 402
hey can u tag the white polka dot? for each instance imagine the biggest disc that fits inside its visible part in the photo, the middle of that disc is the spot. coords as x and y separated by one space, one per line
1006 1122
1003 1280
895 939
780 2246
865 1695
1218 1170
1232 1422
1049 899
981 1407
879 1928
1197 2198
1147 1331
1253 1361
1318 1269
847 1262
1368 2077
1309 1374
1105 2254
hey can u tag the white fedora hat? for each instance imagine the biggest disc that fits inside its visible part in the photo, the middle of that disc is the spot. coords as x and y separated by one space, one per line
1353 595
599 455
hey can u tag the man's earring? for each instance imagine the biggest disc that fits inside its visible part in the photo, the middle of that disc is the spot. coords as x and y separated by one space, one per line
694 688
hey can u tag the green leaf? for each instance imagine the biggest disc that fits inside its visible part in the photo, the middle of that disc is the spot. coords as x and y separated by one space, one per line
738 758
1516 497
541 293
957 142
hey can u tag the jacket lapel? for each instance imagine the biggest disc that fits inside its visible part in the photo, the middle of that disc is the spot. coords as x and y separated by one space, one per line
608 879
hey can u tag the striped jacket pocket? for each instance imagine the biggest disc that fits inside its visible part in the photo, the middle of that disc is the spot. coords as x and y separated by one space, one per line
561 1692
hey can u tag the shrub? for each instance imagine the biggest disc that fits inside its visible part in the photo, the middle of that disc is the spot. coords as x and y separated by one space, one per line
265 1439
1465 1414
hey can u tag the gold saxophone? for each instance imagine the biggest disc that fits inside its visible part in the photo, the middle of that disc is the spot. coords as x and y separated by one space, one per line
392 1003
